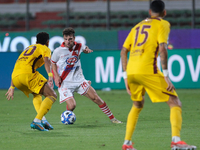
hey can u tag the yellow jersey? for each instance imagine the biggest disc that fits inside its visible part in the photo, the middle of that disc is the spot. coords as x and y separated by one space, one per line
31 59
142 42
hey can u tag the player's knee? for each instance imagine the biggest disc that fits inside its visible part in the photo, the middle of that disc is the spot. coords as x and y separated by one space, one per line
179 103
71 107
54 95
98 100
138 104
174 102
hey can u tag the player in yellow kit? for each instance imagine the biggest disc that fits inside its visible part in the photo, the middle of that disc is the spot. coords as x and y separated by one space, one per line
141 74
28 80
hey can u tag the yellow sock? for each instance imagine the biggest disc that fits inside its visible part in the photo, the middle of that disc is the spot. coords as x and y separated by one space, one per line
44 108
131 122
176 120
37 100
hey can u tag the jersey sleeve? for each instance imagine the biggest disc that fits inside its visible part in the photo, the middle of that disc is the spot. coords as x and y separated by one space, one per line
129 40
82 48
164 31
54 57
47 52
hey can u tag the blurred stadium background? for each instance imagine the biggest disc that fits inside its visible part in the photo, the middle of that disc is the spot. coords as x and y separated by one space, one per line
28 15
103 25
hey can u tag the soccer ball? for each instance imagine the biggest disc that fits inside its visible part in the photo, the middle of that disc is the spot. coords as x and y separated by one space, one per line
68 117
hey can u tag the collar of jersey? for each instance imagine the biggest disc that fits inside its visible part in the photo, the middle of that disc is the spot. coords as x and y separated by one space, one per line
157 18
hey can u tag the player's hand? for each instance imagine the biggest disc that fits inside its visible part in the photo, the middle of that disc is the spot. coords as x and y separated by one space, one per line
10 94
57 81
50 82
170 87
127 87
87 50
89 82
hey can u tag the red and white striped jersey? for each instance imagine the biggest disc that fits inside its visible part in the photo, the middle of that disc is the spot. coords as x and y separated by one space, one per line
68 62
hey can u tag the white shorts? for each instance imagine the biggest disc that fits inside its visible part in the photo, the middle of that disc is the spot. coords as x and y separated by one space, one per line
67 90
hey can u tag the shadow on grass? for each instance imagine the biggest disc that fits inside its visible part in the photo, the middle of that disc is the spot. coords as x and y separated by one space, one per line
88 126
37 133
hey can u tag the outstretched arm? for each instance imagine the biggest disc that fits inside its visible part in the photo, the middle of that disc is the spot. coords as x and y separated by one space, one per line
10 93
47 64
123 55
87 50
163 59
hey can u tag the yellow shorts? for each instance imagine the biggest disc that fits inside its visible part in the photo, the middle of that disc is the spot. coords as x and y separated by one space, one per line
155 86
29 83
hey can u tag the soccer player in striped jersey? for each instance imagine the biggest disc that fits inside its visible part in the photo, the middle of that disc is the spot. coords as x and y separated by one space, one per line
28 80
141 74
68 74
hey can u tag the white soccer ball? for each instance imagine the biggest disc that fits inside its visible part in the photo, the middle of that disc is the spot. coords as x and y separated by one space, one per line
68 117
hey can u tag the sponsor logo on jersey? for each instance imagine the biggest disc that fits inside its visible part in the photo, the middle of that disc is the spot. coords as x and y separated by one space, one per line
72 60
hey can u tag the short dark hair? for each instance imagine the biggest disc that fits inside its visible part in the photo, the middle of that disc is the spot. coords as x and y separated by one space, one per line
68 31
157 6
42 38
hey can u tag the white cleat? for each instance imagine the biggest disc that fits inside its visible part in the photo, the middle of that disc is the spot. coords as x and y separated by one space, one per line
114 120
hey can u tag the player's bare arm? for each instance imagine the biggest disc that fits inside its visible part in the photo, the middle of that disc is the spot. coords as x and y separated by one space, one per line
87 50
163 59
123 55
163 55
56 75
10 93
47 64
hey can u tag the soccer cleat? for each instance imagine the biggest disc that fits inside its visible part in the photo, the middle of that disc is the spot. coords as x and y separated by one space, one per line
38 126
114 120
181 145
128 147
46 125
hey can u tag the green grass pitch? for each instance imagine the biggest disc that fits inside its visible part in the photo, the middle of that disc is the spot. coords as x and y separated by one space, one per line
92 129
